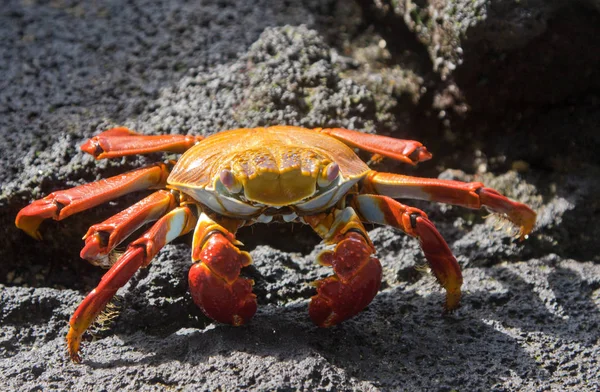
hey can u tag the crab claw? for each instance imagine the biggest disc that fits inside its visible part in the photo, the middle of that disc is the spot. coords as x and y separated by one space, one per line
355 283
215 284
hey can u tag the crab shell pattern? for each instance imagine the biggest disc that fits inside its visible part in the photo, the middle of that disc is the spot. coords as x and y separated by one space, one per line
245 176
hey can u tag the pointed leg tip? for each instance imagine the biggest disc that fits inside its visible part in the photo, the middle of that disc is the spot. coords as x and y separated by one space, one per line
91 147
452 301
75 357
73 345
92 250
31 217
528 219
518 213
421 154
29 224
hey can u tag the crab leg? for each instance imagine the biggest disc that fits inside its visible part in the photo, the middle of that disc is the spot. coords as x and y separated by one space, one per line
61 204
408 151
414 222
215 282
120 141
139 254
357 274
103 237
466 194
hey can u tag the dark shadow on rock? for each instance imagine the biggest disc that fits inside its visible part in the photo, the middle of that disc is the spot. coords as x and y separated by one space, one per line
558 304
410 344
573 295
402 339
538 103
400 335
288 237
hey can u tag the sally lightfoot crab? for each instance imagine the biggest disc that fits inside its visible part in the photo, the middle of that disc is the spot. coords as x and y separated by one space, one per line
245 176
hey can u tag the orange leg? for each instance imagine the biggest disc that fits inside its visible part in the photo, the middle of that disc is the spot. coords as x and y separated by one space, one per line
215 282
470 195
414 222
61 204
103 237
357 274
407 151
139 254
120 141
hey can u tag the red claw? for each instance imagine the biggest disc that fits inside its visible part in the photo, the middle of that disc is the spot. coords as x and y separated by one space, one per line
352 288
215 284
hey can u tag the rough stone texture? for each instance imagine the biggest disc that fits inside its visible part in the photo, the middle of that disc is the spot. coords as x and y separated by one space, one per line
518 109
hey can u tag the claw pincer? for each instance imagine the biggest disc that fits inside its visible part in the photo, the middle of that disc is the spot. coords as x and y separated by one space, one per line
214 279
357 274
355 283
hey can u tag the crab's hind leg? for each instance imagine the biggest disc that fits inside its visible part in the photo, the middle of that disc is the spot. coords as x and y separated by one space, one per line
120 141
465 194
61 204
215 282
138 254
357 274
407 151
414 222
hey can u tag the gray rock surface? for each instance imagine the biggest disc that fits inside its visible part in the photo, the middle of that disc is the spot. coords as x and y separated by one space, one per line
519 111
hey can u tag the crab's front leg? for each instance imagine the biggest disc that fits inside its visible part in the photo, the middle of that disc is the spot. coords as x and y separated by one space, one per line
414 222
138 254
215 282
61 204
466 194
357 273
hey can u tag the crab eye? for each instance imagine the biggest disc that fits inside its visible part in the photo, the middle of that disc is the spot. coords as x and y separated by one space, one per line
231 183
329 173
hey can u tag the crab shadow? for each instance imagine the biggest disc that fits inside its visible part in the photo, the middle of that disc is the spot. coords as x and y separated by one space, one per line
561 306
378 347
400 335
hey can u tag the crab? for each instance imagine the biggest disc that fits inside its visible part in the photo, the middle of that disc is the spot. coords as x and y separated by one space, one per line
241 177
